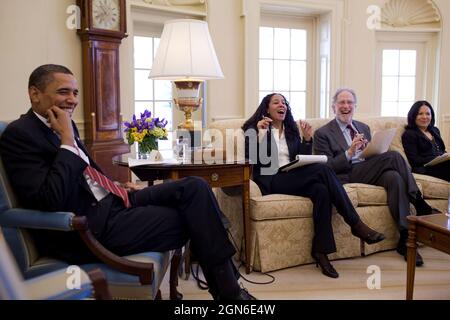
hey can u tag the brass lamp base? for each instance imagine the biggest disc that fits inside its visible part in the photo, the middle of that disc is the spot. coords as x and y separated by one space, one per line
188 100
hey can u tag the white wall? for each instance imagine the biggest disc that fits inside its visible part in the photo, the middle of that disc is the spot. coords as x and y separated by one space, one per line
33 33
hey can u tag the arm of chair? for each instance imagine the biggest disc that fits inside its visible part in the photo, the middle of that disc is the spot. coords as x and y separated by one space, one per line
143 270
34 219
67 221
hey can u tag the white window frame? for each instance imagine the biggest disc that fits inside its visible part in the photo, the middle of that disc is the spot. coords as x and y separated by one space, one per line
305 23
425 44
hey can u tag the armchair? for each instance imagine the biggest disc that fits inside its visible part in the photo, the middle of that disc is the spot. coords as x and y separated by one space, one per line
136 276
51 286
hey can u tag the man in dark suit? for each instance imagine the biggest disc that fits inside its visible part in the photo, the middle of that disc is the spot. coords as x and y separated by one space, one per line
343 139
50 169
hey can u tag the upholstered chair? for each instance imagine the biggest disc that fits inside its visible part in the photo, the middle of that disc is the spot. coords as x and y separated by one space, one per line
137 276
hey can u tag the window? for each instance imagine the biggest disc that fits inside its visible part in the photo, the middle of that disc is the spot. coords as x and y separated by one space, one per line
283 66
398 81
154 95
406 69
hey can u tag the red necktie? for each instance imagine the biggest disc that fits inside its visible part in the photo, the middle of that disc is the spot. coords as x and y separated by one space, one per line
352 131
108 184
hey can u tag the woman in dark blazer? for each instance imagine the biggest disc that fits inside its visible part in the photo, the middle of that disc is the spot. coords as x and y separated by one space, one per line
422 142
272 140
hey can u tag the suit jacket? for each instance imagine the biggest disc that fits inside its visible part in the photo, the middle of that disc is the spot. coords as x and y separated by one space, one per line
330 141
47 177
263 170
419 149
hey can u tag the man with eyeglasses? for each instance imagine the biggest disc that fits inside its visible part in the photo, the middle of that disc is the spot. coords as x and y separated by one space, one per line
343 139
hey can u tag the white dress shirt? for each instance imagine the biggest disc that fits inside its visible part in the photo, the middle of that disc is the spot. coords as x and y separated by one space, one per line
97 190
283 150
348 138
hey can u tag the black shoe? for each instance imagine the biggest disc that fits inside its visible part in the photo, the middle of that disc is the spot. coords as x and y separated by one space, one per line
428 212
365 233
322 261
402 250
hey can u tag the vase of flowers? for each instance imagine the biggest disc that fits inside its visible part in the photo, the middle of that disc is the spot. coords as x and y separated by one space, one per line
146 131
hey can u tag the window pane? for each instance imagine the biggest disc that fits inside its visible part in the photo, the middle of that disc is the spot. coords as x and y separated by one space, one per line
266 42
389 109
298 75
282 43
262 94
143 50
390 62
140 107
407 62
407 89
298 44
403 108
143 86
164 110
163 90
266 75
281 75
390 89
166 144
298 105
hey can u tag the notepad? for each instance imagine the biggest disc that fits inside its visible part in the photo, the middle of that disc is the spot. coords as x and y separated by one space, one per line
439 159
303 160
379 144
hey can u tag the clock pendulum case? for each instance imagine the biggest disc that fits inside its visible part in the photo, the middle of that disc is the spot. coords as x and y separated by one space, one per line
103 26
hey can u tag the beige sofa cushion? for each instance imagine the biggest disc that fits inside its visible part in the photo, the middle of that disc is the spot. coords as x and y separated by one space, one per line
368 195
433 188
281 206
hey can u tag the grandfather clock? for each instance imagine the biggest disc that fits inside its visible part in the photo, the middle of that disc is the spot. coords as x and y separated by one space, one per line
103 26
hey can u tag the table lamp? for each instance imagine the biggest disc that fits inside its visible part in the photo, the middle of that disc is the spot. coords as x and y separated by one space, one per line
186 55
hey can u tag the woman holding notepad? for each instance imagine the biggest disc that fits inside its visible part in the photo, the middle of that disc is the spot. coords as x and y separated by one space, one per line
273 141
423 144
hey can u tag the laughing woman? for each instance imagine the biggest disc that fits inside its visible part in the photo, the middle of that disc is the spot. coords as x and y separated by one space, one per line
422 142
279 139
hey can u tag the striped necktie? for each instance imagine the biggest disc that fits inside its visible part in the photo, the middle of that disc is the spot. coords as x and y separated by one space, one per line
352 131
106 183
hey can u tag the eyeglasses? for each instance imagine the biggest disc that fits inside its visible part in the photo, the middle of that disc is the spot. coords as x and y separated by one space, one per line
344 102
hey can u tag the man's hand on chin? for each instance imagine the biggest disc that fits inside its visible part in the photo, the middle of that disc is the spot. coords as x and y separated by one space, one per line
61 122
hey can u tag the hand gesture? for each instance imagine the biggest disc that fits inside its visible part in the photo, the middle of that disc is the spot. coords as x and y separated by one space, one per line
264 123
358 143
306 130
61 123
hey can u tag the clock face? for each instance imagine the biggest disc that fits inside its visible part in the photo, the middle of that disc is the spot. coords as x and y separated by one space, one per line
106 14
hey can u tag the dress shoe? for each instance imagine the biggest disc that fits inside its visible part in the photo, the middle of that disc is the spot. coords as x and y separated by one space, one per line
327 268
365 233
402 249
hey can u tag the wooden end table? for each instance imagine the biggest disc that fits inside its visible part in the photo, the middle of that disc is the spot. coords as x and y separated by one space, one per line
220 175
431 230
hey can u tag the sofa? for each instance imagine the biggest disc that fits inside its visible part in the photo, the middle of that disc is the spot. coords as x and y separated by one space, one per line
281 226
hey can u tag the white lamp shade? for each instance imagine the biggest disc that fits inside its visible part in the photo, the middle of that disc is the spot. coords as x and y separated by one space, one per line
186 52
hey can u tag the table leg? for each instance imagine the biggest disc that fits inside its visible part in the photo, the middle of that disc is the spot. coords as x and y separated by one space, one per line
411 267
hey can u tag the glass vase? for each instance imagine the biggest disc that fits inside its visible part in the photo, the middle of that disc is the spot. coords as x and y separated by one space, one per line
145 148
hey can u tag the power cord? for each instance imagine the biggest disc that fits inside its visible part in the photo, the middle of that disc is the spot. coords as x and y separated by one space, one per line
203 285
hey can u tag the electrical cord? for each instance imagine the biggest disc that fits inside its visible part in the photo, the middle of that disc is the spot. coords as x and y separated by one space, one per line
203 285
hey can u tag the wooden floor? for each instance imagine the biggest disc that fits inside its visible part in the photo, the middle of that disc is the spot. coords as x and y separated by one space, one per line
306 282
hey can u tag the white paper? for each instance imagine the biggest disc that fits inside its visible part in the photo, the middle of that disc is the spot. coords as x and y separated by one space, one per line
303 160
438 159
379 144
155 157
